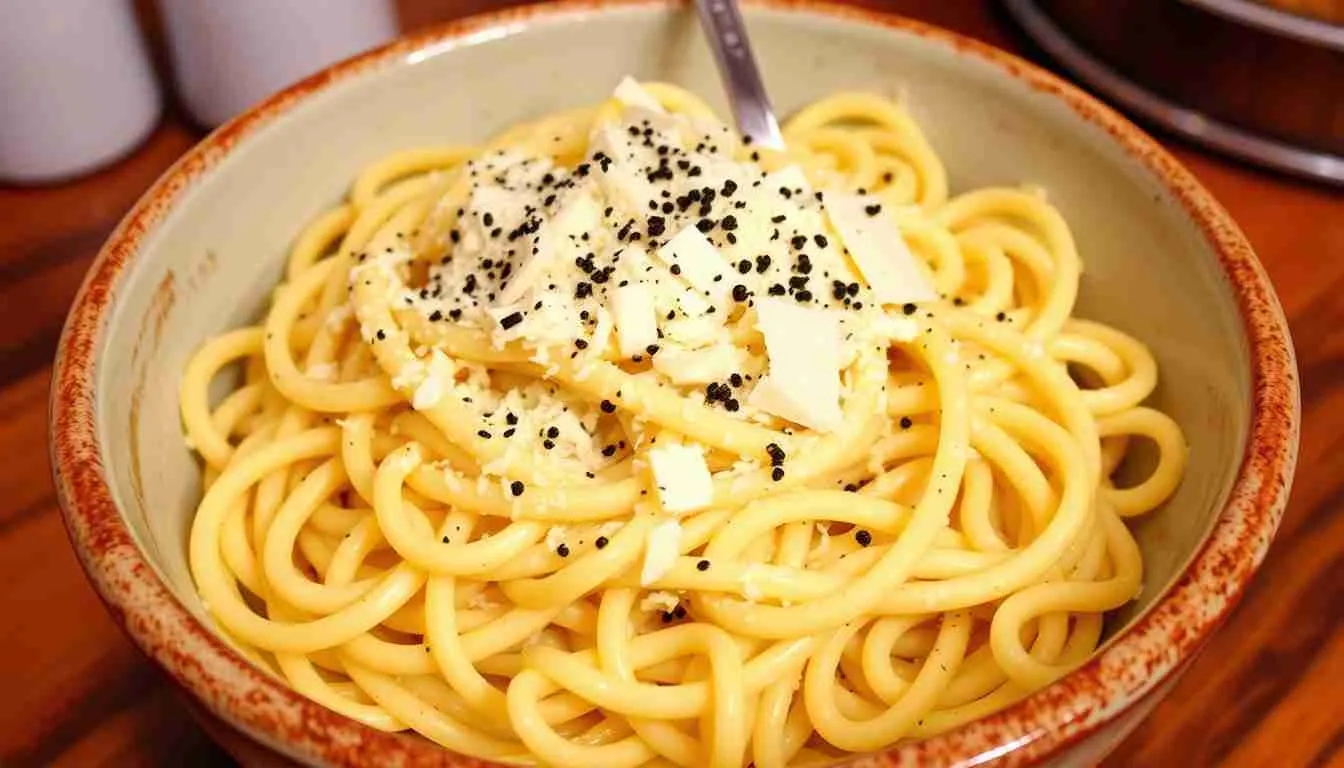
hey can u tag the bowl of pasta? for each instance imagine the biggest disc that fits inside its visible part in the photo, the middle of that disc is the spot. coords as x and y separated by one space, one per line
487 399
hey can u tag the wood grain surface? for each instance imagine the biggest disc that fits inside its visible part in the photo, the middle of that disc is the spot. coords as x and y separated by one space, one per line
1268 689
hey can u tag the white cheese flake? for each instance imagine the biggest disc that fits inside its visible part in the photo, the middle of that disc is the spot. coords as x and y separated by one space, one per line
661 551
660 602
555 536
698 366
879 251
803 382
630 93
790 177
636 325
698 262
438 380
682 476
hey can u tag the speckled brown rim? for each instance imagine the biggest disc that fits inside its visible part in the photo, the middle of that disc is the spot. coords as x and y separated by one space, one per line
1044 724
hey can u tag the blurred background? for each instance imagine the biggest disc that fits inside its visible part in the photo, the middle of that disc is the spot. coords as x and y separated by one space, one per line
99 97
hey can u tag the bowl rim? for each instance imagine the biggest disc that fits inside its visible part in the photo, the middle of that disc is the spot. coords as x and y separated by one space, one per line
1077 706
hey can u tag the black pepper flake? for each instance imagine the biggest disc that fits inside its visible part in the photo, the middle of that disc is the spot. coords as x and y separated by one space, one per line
777 290
851 487
735 379
581 343
562 550
729 187
740 292
675 269
445 541
609 450
436 315
703 565
906 423
517 488
656 226
908 309
607 406
777 474
872 210
488 219
652 349
798 241
668 207
548 444
455 314
776 454
481 433
704 225
1001 316
820 240
601 542
762 263
511 320
729 222
864 538
553 432
381 334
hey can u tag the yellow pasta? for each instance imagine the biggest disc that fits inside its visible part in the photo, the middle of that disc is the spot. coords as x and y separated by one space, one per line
427 521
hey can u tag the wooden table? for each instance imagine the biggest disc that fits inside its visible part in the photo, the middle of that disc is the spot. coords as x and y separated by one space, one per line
1267 691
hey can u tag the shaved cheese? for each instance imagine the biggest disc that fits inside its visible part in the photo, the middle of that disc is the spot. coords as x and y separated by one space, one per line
803 382
636 325
555 536
662 602
630 93
896 328
790 177
699 263
878 250
698 366
438 380
682 477
661 551
580 213
620 180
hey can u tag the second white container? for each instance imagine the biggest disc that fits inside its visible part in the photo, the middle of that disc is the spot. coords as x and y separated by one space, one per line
228 55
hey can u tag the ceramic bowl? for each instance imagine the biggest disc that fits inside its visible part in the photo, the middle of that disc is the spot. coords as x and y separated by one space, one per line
202 250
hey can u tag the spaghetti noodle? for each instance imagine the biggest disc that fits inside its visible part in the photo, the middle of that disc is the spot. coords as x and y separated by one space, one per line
454 491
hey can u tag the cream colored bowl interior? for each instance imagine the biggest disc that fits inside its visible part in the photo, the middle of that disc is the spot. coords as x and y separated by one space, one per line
212 262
